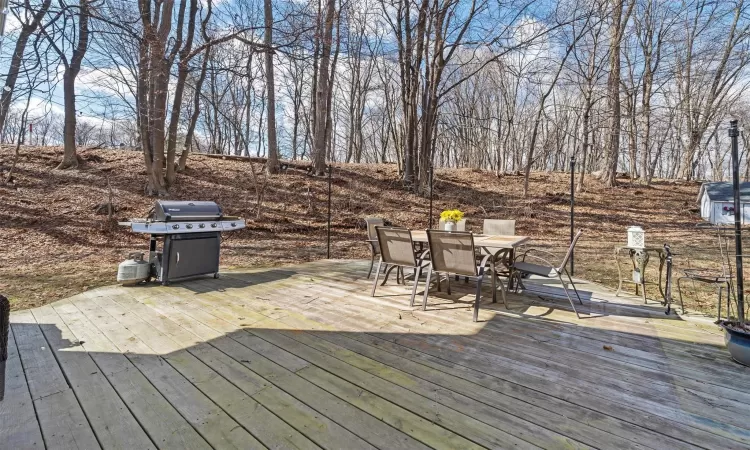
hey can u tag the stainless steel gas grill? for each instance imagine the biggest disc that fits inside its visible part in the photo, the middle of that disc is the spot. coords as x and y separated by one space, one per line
190 233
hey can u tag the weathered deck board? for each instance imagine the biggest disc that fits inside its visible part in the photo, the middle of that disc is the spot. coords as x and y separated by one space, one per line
18 425
111 420
167 428
61 419
213 423
303 357
286 407
204 324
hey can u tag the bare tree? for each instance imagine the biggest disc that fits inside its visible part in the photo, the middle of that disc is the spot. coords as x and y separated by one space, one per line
323 91
30 20
272 164
619 16
57 41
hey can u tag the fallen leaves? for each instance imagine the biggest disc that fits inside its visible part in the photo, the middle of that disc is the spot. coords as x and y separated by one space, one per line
54 245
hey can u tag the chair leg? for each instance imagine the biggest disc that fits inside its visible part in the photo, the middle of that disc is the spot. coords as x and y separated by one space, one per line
574 287
448 280
414 288
388 271
730 293
478 297
718 311
375 282
493 275
567 293
372 263
502 292
427 288
679 292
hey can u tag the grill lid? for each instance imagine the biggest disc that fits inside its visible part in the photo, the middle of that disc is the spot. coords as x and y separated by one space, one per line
166 211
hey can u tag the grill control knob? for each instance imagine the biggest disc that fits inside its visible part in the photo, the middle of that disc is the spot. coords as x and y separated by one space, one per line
233 224
202 225
189 226
213 225
175 226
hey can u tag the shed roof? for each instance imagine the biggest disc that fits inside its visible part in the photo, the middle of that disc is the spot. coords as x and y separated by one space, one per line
721 191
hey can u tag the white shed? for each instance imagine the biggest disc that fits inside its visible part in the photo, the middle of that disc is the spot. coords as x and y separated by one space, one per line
716 200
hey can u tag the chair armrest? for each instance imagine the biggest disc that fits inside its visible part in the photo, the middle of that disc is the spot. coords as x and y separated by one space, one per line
539 258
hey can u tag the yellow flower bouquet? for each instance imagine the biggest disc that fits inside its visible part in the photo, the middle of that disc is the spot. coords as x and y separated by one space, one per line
451 215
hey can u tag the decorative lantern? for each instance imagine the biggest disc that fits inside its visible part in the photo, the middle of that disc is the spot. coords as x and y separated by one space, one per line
636 237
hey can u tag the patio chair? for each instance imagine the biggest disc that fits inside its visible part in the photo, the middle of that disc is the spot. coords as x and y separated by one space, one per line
548 270
454 253
502 228
460 225
722 278
499 227
372 239
397 251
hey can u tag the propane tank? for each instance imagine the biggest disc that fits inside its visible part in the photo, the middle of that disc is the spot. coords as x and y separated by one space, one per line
133 269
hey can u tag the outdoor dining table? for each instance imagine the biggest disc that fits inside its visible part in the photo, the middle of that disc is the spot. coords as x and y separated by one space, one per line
502 248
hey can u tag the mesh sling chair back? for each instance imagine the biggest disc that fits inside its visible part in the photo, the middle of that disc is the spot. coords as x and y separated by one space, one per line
549 270
372 239
397 251
499 227
454 253
723 278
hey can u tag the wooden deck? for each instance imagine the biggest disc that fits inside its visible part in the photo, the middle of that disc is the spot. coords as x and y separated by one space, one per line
303 357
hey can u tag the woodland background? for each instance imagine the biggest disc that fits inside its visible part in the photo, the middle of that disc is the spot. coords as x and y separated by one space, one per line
641 87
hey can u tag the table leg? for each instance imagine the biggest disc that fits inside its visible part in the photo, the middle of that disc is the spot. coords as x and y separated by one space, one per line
640 261
619 272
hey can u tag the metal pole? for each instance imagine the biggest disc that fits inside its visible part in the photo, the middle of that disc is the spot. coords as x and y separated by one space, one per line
733 134
431 171
328 248
572 209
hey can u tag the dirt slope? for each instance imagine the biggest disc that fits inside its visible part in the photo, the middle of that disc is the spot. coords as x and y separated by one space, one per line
54 244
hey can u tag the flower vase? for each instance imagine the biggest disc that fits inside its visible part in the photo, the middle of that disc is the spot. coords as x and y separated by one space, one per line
450 226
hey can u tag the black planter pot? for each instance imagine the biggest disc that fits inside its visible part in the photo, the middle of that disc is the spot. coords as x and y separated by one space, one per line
738 343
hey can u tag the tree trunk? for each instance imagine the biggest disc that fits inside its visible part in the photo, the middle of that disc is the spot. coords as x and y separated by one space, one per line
179 91
196 112
322 92
70 158
272 163
613 91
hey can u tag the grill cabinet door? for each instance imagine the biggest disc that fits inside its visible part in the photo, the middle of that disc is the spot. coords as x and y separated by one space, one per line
192 255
